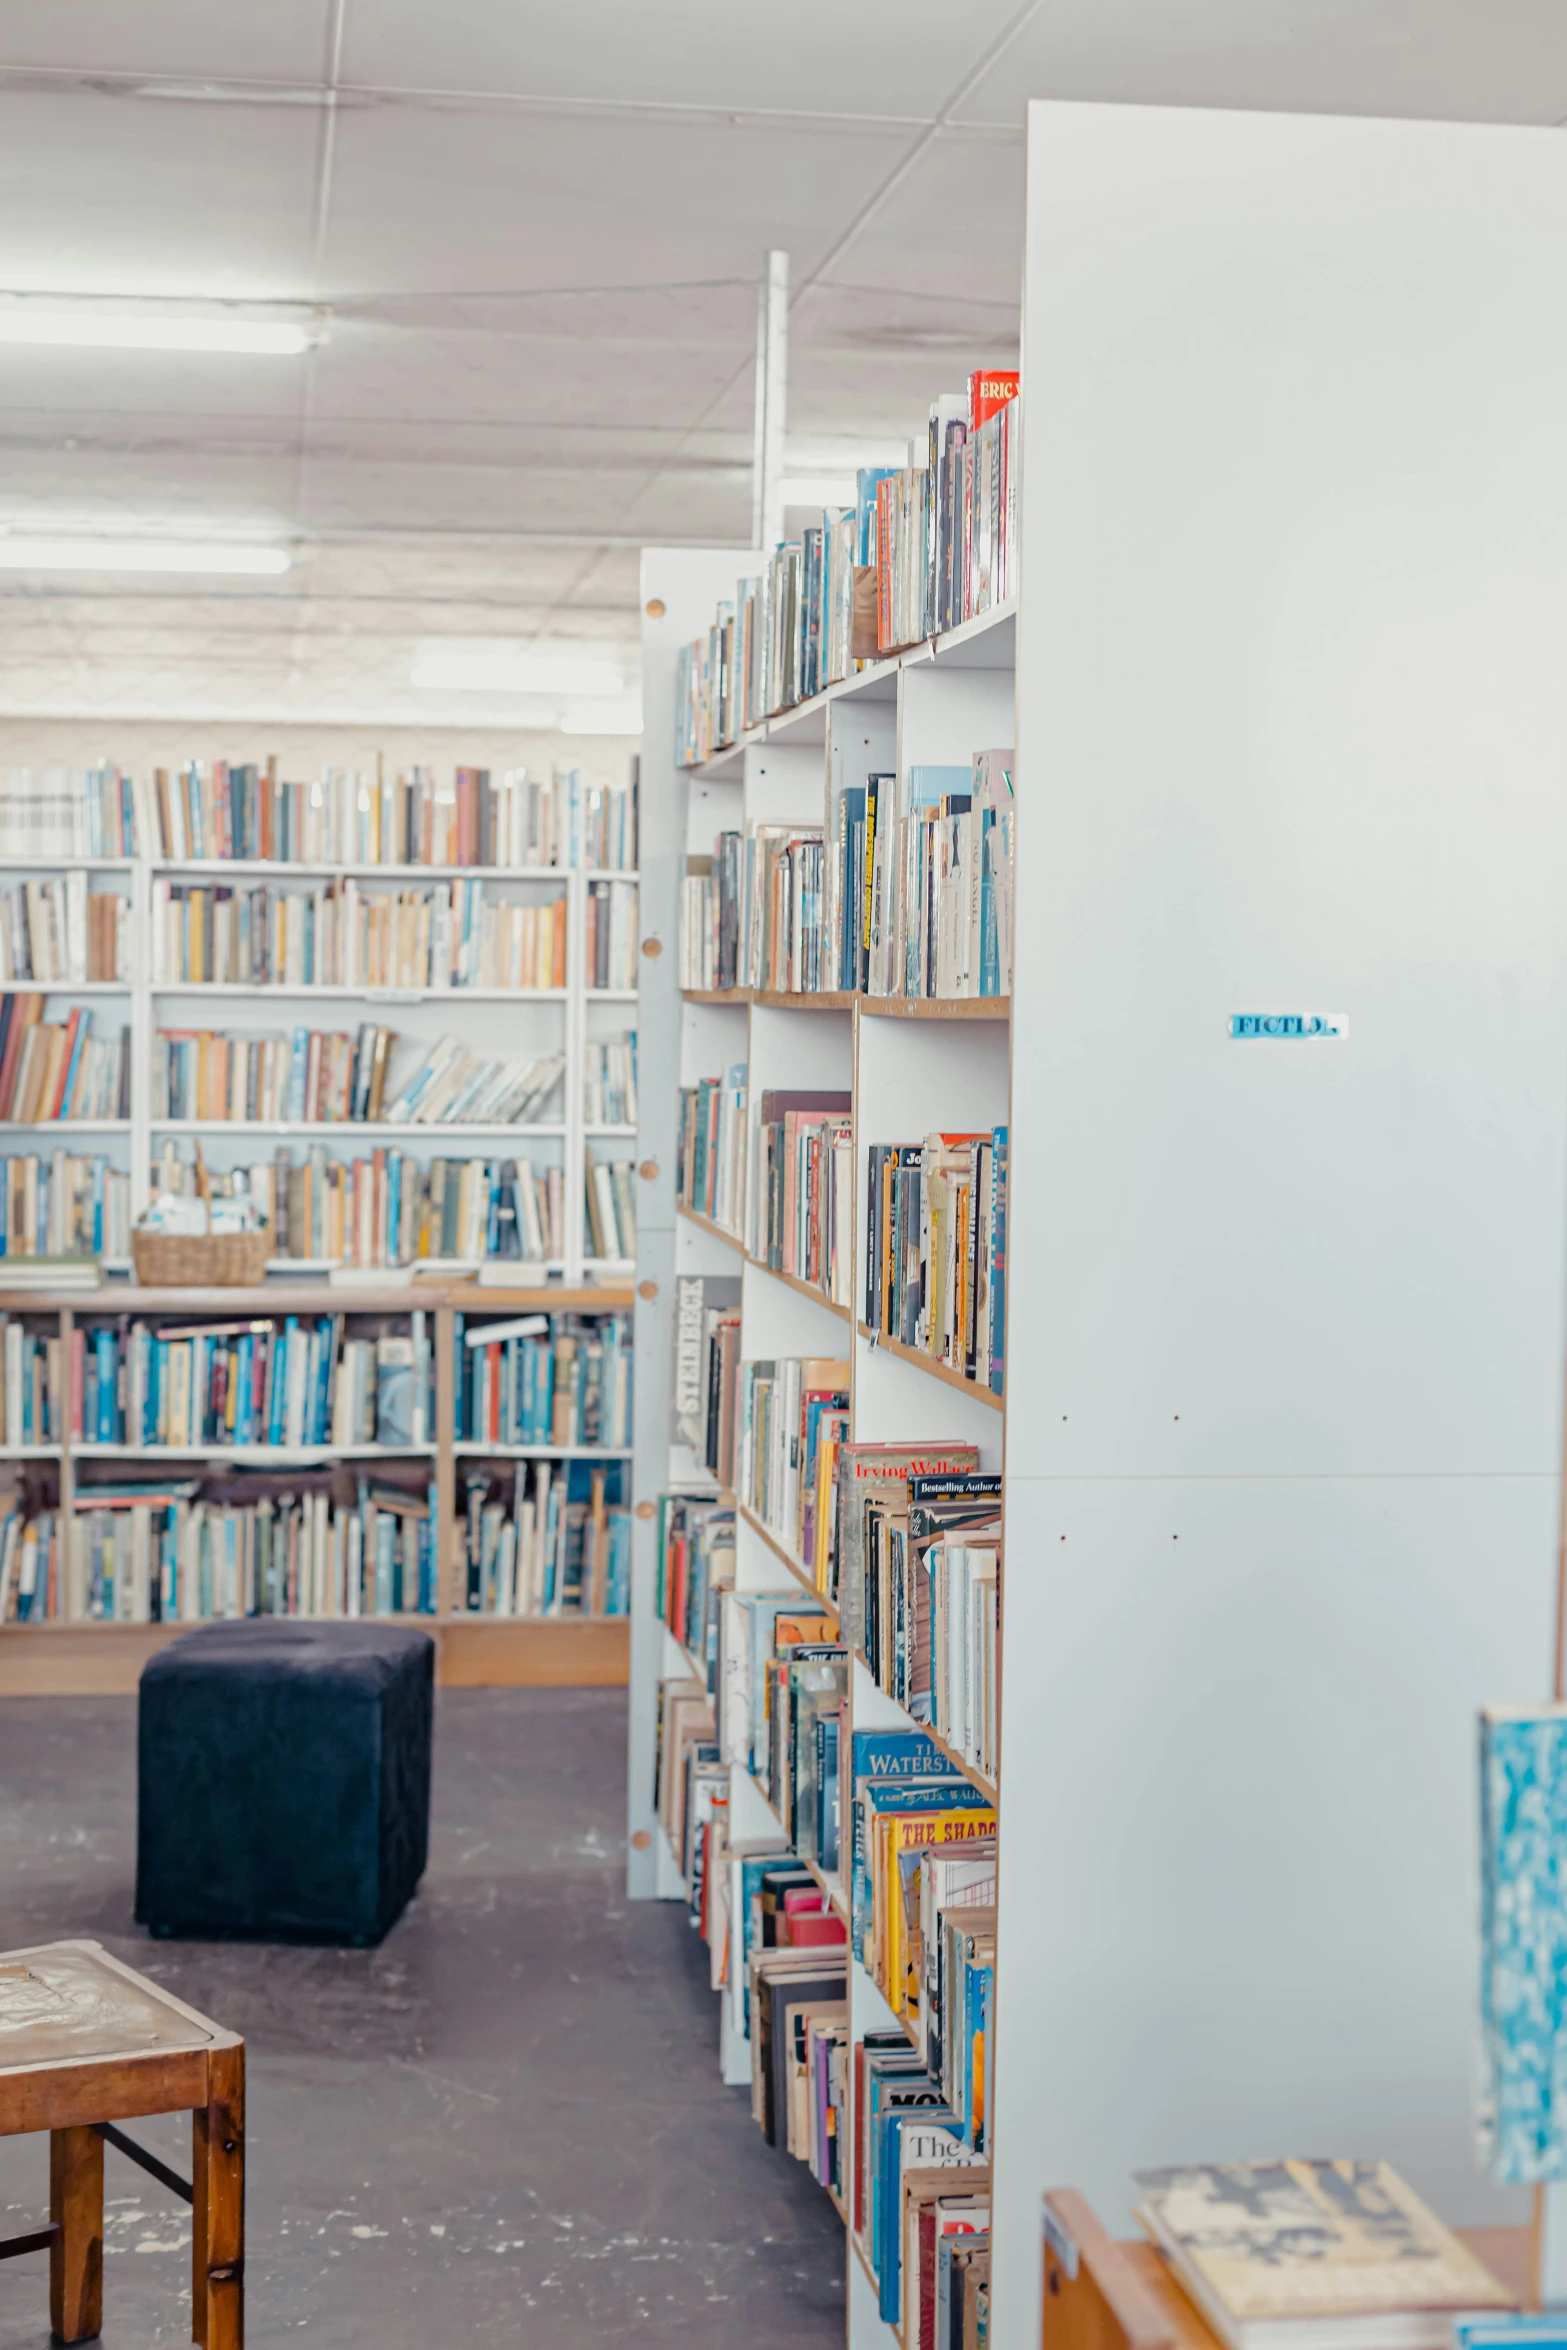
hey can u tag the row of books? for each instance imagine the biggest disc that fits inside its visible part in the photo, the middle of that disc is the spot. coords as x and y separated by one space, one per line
610 947
60 1205
918 1851
609 1080
921 895
695 1566
223 811
710 1148
932 542
752 914
561 1379
611 1210
935 1272
32 1582
59 1072
922 2207
390 1209
325 1077
803 1217
443 935
259 1380
928 1604
62 932
145 1554
791 1414
707 1369
542 1538
903 1541
799 1217
32 1384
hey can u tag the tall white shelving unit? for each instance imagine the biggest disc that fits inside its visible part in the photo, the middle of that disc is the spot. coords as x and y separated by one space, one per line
1283 1423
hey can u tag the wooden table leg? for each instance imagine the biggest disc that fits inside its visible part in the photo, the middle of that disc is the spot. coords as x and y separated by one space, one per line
76 2256
218 2206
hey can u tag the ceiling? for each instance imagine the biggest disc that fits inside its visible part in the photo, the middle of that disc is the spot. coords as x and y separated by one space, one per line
535 232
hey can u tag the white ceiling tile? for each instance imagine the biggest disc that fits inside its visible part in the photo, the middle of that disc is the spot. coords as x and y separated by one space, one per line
189 39
1503 62
874 57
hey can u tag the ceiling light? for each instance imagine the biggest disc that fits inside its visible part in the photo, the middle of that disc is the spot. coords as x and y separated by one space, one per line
60 322
508 669
22 553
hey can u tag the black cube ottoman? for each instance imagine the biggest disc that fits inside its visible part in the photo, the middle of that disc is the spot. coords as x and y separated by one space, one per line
283 1788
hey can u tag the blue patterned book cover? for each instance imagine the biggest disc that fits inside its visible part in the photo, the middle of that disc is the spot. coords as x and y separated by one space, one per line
1523 1959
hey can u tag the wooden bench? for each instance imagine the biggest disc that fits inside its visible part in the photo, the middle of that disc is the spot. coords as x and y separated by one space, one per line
85 2043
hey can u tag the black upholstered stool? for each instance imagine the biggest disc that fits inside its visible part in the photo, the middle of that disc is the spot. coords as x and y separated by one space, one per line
284 1780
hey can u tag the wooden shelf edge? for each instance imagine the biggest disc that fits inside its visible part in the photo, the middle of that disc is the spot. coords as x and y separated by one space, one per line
105 1660
963 1007
281 1297
786 1559
925 1362
776 999
846 999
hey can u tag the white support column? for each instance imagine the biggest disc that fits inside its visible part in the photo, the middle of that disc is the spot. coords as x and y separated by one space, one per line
772 401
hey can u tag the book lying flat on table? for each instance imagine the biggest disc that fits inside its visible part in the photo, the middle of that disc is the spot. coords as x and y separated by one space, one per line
1313 2255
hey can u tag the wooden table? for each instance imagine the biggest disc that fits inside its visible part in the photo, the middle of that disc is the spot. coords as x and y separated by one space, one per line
85 2042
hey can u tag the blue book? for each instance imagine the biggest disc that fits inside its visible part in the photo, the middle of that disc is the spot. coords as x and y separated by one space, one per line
107 1353
865 482
936 2136
299 1062
83 1029
1523 1943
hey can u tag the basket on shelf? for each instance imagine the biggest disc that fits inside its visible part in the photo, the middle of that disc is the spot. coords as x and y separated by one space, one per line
200 1260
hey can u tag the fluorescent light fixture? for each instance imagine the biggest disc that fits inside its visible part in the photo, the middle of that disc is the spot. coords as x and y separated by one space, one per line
60 322
601 722
512 669
19 552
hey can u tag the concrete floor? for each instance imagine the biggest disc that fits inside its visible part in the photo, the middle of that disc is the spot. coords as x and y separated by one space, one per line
505 2125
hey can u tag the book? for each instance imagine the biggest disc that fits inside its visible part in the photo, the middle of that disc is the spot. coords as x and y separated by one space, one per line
1313 2253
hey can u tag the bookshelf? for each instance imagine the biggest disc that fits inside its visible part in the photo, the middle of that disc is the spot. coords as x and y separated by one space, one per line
1281 1427
89 1656
575 1018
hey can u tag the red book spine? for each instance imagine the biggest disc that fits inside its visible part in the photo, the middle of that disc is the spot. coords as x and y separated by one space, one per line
988 391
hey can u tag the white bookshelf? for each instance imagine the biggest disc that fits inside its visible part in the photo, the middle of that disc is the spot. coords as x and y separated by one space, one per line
1285 1326
528 1020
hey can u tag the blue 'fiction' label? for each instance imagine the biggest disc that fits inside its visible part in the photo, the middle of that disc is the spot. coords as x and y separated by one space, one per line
1289 1024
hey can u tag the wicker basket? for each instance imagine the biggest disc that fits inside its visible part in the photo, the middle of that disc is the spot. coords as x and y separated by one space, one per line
201 1260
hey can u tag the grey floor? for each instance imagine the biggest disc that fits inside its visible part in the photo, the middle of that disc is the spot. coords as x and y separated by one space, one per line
505 2125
